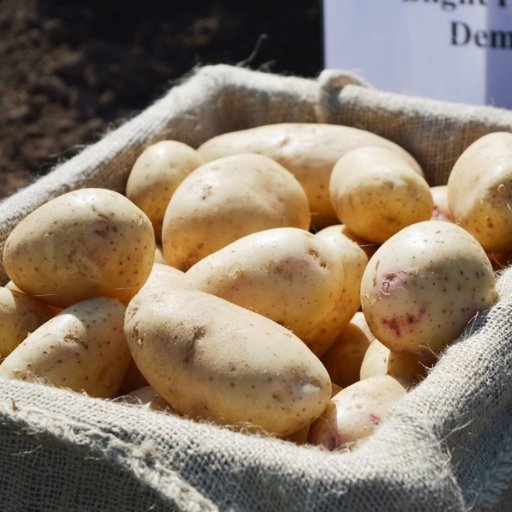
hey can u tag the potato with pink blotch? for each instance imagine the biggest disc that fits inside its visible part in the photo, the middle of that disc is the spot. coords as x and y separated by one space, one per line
423 285
355 412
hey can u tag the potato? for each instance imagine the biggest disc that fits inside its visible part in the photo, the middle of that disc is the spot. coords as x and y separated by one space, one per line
424 285
133 379
355 412
309 151
159 256
354 261
285 274
379 360
83 348
368 247
227 199
376 192
480 191
155 176
83 244
213 360
344 358
441 208
19 316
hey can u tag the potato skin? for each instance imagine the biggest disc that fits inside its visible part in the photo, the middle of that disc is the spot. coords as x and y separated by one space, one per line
226 199
285 274
355 412
83 348
19 316
214 360
344 358
155 175
480 191
376 192
308 150
83 244
424 285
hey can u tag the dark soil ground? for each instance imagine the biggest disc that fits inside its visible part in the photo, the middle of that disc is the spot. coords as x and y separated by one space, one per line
70 70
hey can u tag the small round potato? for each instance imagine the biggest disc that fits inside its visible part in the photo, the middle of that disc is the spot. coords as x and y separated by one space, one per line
83 244
480 191
155 175
285 274
19 316
343 359
226 199
214 360
355 412
424 285
308 150
376 192
379 360
83 348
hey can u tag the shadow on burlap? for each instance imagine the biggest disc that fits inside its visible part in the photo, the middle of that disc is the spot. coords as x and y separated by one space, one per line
447 444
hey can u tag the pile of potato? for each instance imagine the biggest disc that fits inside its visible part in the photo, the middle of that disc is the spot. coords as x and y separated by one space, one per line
290 279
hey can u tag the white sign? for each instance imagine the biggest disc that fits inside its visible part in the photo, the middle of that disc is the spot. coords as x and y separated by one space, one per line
456 50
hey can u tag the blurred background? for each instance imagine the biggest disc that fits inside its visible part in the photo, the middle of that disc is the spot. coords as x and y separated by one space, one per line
72 70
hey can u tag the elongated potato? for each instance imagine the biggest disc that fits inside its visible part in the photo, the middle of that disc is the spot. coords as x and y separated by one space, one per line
226 199
423 285
376 192
83 244
308 150
355 412
480 191
19 316
441 208
155 175
214 360
285 274
83 348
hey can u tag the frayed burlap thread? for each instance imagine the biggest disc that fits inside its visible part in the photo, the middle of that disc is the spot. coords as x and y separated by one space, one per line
446 446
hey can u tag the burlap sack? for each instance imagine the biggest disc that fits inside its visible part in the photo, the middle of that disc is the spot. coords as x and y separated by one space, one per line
447 446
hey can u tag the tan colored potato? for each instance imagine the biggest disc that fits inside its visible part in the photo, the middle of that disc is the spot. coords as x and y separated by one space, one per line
376 192
379 360
354 261
424 285
155 176
355 412
441 208
83 349
308 150
159 256
285 274
83 244
480 191
19 316
214 360
227 199
368 247
344 358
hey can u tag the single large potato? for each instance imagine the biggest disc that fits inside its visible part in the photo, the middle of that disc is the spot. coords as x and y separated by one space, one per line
424 285
226 199
355 412
376 192
19 316
83 348
155 176
285 274
480 191
308 150
83 244
214 360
